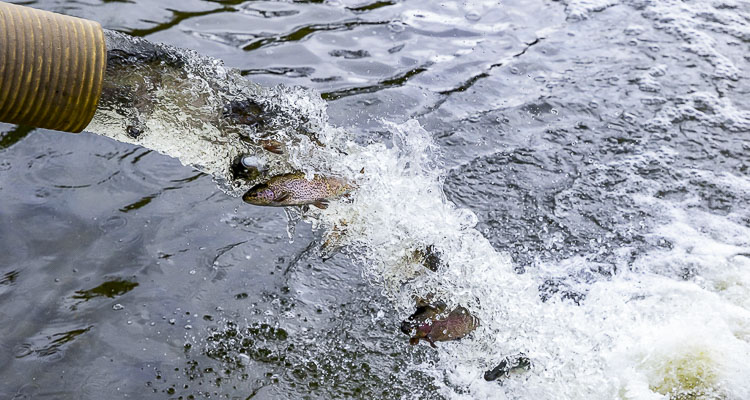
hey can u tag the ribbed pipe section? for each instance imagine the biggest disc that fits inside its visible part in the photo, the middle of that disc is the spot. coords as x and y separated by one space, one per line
51 68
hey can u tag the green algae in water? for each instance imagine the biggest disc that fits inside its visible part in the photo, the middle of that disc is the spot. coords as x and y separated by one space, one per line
688 376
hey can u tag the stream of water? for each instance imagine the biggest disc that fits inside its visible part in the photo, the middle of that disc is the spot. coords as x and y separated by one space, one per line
581 168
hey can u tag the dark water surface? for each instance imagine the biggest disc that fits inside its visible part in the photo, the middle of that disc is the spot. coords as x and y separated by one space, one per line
598 142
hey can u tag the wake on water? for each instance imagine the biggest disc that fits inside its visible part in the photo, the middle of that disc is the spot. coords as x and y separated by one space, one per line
639 334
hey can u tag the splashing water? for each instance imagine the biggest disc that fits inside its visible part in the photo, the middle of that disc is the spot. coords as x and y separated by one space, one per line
639 334
191 107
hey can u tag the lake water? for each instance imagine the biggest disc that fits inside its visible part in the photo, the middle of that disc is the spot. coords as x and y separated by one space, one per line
583 166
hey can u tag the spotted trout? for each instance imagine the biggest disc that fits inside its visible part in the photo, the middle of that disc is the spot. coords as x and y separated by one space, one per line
295 190
430 323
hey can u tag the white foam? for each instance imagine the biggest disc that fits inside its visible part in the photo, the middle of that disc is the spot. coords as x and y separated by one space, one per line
627 339
687 20
581 9
705 107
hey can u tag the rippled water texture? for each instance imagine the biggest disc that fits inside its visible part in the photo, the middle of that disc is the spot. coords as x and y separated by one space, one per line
600 147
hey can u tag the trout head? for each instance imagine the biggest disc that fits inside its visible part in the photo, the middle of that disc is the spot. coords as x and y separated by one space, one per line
264 195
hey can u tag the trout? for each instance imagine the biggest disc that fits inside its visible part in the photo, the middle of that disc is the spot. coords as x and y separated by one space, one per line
430 323
295 190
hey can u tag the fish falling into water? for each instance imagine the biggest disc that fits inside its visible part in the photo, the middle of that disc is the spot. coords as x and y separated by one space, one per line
296 190
430 323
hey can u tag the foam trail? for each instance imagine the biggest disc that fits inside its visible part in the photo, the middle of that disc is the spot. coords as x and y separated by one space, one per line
628 339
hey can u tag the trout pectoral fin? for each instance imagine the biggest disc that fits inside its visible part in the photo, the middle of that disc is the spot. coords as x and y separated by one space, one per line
322 204
282 197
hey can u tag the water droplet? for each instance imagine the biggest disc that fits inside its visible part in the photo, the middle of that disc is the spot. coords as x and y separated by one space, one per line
188 326
112 223
473 16
653 101
251 161
172 321
514 71
244 359
633 30
42 193
396 27
4 166
118 307
22 350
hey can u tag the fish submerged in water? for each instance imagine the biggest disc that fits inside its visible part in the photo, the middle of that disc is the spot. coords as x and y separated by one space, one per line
295 190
